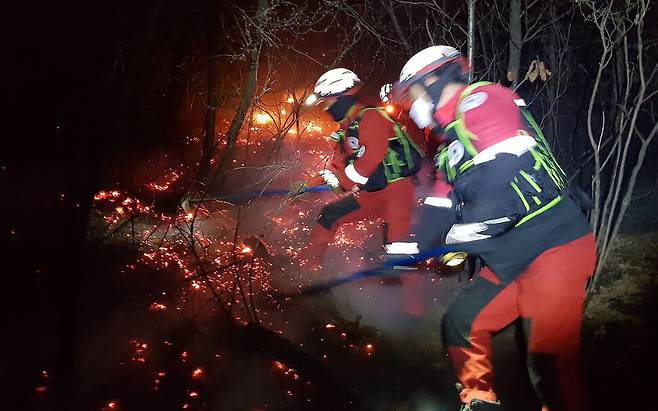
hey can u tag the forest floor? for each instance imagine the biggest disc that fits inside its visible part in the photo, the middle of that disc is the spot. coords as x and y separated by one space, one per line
377 355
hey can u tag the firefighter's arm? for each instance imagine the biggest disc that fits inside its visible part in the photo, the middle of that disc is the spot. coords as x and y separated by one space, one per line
374 131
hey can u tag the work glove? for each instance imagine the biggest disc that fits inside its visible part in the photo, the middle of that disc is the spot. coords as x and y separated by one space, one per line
330 179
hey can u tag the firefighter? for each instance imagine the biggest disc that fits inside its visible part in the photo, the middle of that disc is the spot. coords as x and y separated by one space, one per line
374 163
436 206
512 207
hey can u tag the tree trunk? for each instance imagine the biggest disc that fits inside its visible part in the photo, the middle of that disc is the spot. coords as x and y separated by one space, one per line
471 37
208 147
515 42
245 102
398 29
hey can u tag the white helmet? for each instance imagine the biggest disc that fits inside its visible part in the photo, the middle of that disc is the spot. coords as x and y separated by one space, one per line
427 61
336 82
385 92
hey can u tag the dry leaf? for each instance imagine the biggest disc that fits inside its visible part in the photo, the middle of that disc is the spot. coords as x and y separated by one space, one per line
544 73
532 71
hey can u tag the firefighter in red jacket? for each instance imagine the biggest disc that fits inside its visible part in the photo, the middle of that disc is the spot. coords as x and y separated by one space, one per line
512 207
373 162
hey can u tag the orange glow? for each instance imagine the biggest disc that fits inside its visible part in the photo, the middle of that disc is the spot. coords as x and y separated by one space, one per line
262 118
194 394
390 108
197 373
246 250
329 325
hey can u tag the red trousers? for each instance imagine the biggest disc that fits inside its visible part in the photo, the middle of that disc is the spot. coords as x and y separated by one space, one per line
549 297
394 204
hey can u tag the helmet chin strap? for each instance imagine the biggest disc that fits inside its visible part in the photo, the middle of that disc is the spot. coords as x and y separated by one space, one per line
445 76
341 106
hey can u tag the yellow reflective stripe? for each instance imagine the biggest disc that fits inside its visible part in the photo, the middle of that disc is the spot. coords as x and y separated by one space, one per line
525 203
552 162
537 158
466 165
463 134
541 210
536 200
530 180
473 86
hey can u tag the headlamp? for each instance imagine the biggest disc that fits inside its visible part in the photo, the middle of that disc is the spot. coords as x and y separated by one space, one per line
311 99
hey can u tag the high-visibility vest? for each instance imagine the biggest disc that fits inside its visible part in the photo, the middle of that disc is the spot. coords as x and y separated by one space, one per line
403 156
539 187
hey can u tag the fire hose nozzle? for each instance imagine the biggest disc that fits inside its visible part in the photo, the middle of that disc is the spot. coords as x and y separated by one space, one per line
453 259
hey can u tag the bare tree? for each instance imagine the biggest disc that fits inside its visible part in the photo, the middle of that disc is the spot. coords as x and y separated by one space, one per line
619 143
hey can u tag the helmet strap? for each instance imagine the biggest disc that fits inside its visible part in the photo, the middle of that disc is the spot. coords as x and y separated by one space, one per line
341 106
449 74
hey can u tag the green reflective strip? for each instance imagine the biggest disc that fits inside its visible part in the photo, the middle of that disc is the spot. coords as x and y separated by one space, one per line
537 158
402 134
392 163
407 152
466 165
541 210
443 159
387 173
463 134
525 203
550 161
468 90
531 181
536 200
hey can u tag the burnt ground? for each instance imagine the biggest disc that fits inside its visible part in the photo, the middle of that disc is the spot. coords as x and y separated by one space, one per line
355 348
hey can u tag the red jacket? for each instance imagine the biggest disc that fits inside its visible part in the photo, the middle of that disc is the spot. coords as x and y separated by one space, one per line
374 132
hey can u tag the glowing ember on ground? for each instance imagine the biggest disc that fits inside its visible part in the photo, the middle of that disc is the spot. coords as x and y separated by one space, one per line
140 349
111 405
164 183
158 307
205 262
370 349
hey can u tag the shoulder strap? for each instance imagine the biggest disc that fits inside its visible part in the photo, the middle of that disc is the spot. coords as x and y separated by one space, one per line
399 132
361 113
463 133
